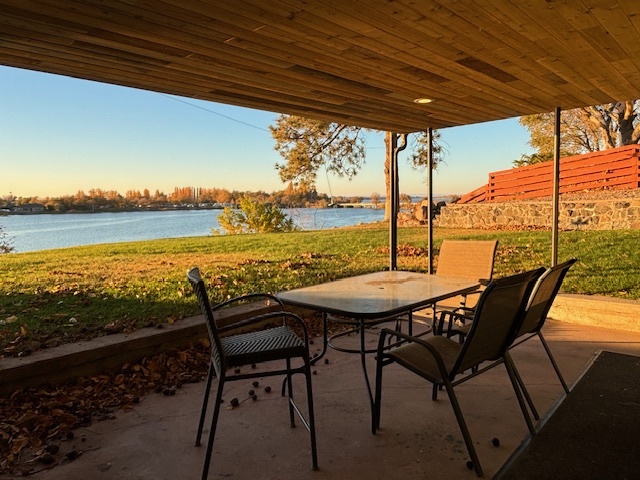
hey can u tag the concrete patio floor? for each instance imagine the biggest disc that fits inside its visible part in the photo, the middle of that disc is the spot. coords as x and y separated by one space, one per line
418 438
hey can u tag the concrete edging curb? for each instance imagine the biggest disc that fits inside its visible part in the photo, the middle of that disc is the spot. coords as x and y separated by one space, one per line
102 354
597 311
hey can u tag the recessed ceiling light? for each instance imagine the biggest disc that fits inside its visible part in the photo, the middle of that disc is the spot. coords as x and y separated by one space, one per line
422 101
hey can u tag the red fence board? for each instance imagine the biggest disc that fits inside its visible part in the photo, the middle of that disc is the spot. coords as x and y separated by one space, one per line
618 168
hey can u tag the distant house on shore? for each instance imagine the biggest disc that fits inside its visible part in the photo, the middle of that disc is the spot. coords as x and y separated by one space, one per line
28 208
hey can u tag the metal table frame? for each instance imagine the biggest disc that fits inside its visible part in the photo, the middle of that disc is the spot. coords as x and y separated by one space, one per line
372 299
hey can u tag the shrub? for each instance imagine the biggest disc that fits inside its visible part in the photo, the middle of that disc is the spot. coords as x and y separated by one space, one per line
5 243
254 217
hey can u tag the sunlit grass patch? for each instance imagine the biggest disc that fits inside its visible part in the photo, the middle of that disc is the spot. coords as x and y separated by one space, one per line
62 295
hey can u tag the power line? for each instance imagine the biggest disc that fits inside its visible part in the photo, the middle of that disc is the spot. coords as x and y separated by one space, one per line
214 112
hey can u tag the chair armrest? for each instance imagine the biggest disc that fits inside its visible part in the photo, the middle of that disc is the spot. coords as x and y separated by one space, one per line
265 317
248 297
411 339
461 313
234 310
478 291
466 312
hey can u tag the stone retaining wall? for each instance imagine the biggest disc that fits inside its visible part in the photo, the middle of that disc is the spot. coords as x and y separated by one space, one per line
609 214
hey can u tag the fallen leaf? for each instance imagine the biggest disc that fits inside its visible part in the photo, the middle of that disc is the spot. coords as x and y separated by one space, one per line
32 417
18 444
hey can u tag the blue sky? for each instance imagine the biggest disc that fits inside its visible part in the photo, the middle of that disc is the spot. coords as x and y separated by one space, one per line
59 135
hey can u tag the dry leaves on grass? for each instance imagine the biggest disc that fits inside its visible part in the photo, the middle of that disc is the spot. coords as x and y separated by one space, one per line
34 421
405 250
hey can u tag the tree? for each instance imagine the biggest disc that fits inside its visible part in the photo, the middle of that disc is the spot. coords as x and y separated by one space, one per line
80 197
582 130
419 158
5 243
254 217
375 199
306 145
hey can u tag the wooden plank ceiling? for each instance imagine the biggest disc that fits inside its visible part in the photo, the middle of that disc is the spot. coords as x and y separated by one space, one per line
354 62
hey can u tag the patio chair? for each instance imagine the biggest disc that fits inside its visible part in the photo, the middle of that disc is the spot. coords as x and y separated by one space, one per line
542 298
468 259
233 346
540 302
442 361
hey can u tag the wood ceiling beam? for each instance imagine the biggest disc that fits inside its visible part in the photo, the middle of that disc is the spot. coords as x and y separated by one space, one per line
361 62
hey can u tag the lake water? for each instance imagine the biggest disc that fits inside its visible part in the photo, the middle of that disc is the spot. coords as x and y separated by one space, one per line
45 231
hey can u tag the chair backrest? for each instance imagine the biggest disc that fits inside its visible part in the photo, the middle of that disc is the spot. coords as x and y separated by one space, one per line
498 315
469 259
203 299
210 313
542 297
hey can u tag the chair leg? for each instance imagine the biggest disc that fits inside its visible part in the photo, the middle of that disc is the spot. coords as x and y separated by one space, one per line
553 362
212 431
441 324
434 321
205 401
434 392
525 392
375 411
290 393
463 427
511 369
312 422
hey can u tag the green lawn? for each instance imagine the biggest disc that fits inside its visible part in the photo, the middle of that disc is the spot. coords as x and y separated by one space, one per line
56 296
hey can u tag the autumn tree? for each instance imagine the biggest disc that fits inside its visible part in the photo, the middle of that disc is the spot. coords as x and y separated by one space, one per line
405 199
80 197
223 196
582 130
307 145
419 148
418 158
159 197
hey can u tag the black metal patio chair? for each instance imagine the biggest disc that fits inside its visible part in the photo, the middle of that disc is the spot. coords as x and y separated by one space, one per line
542 297
253 340
443 361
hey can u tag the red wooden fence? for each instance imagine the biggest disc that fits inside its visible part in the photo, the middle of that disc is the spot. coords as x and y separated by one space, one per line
618 168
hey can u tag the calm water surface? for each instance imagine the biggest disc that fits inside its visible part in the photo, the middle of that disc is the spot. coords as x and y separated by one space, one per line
41 232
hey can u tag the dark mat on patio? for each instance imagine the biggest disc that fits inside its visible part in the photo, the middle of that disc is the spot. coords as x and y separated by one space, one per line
593 434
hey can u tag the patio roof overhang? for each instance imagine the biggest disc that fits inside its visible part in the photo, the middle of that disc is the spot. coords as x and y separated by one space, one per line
353 62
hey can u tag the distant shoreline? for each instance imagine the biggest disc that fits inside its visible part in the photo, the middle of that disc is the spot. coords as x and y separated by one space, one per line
181 208
113 210
39 209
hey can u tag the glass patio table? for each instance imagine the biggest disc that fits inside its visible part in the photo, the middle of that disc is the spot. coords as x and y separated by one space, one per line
366 300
